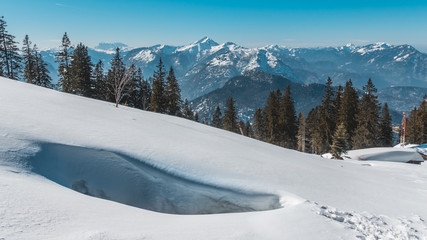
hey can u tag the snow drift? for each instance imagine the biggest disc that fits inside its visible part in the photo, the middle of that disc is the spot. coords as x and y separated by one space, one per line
386 154
130 181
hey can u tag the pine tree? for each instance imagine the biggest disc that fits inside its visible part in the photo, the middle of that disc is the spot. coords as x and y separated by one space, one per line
271 116
9 53
325 128
173 94
145 89
339 142
230 116
348 110
41 77
287 120
132 96
186 110
99 81
63 58
385 138
80 72
259 125
416 124
302 133
248 129
336 105
158 96
311 125
28 60
216 118
196 117
366 133
411 133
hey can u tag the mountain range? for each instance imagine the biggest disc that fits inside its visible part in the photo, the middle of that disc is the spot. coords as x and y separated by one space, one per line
205 65
209 72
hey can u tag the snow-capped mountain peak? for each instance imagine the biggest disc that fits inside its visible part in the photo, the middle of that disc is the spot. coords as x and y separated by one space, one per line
373 48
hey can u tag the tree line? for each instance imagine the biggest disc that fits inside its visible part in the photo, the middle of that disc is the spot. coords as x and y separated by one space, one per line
344 120
416 124
341 122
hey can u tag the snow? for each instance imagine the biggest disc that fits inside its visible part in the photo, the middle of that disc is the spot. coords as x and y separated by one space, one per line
372 48
386 154
176 171
145 56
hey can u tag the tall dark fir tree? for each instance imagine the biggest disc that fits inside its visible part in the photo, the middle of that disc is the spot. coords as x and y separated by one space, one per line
366 133
288 125
385 138
348 110
28 58
271 117
158 102
41 72
326 125
416 124
173 94
259 126
80 72
99 81
10 60
63 58
217 118
230 116
187 112
311 125
302 133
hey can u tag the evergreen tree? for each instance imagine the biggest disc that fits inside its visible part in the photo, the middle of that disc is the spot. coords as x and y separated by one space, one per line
336 105
366 133
196 117
41 77
325 128
158 96
9 53
385 138
248 129
187 112
302 133
416 124
132 96
271 116
339 142
63 58
99 81
259 125
348 110
288 121
216 118
80 71
28 60
230 116
145 89
173 94
311 125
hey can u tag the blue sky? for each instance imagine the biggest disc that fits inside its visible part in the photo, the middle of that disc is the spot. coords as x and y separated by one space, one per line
248 23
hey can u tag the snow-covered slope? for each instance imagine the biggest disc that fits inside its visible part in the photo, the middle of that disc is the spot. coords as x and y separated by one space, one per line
51 142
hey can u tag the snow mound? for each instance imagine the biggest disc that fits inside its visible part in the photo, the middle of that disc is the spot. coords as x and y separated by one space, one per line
127 180
386 154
